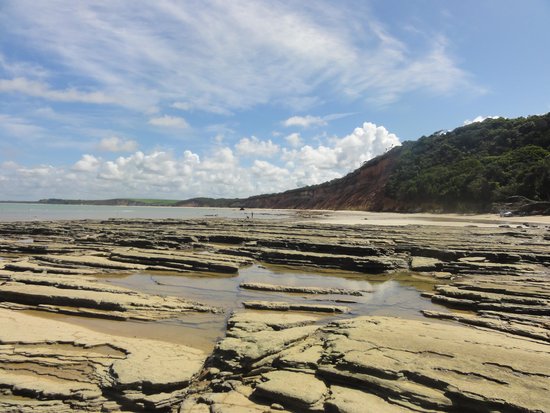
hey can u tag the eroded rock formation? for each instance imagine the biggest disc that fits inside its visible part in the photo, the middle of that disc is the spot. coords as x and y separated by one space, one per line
374 364
305 355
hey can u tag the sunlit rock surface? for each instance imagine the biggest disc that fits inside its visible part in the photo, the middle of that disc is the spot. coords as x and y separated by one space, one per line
53 366
297 353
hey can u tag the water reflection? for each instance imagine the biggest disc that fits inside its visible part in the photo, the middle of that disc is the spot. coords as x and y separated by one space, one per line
397 294
390 295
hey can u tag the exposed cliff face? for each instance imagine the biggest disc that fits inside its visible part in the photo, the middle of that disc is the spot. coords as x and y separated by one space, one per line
362 189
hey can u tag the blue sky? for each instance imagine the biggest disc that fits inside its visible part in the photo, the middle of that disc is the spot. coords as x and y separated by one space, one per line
176 99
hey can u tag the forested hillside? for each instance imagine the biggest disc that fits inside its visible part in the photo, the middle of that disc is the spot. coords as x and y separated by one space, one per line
480 167
475 166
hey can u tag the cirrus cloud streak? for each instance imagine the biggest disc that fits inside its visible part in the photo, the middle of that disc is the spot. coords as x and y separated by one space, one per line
141 54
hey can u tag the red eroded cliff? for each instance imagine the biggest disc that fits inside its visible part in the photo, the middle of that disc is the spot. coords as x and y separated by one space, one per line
362 189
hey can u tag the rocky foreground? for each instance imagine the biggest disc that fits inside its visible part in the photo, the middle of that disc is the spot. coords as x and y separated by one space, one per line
488 351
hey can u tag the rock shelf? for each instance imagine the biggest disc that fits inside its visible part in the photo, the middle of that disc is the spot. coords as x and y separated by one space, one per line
85 296
57 367
282 306
304 290
492 355
393 365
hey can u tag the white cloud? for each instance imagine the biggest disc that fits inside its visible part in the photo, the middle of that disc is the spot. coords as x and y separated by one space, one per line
146 54
363 144
15 69
201 104
88 163
254 147
37 171
116 144
479 119
325 162
169 121
294 139
308 120
221 173
304 121
9 165
182 106
42 90
19 127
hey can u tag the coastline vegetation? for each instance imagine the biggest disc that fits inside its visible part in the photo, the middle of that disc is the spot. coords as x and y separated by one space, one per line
476 166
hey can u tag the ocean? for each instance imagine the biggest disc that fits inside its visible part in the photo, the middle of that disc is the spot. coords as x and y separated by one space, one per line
10 212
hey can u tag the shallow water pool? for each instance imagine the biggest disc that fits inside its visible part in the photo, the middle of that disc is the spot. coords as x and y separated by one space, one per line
397 294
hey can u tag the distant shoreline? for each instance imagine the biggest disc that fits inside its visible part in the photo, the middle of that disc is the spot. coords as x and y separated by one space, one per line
340 217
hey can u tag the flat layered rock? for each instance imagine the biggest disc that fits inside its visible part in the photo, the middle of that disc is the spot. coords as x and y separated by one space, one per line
253 337
492 359
181 260
50 364
61 280
90 261
227 402
518 326
38 267
425 264
107 302
365 264
518 305
302 290
304 357
299 390
283 306
383 364
438 366
344 399
360 248
252 321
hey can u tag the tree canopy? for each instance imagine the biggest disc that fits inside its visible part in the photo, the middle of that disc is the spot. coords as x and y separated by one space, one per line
474 166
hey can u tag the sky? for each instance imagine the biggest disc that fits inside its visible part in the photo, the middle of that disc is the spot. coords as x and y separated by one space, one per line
176 99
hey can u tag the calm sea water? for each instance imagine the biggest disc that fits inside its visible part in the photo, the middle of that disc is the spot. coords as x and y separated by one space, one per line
46 212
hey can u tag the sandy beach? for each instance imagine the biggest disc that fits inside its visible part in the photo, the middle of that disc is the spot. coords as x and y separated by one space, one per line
394 218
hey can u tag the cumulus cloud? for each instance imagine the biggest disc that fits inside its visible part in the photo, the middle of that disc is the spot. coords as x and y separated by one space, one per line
254 147
88 163
304 121
348 152
294 139
228 171
116 144
479 119
363 144
169 122
37 171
